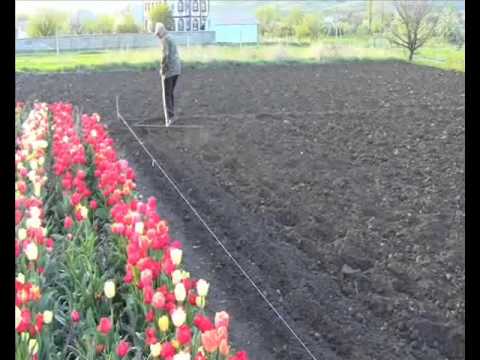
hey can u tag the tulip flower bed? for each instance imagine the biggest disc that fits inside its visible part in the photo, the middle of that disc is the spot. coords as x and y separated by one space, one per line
32 246
114 285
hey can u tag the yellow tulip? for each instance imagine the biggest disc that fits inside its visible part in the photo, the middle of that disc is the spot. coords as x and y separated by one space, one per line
163 323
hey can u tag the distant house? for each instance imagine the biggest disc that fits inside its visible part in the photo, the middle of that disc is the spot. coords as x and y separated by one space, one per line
188 15
201 15
138 13
234 28
21 29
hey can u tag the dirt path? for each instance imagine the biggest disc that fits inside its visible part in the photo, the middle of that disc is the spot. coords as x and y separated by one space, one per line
339 188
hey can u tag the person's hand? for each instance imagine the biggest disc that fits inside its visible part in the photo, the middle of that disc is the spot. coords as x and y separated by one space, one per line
163 71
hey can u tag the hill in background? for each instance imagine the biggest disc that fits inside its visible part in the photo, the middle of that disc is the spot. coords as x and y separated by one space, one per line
238 11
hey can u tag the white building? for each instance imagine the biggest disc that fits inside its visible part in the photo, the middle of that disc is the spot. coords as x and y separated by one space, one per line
188 15
21 29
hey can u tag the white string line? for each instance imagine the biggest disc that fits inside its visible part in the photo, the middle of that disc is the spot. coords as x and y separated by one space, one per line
172 182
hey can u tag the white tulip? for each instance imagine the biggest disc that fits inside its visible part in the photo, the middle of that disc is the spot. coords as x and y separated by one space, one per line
178 317
33 222
202 287
31 251
180 292
182 356
109 289
177 276
84 212
20 278
22 234
33 346
139 228
18 316
47 316
156 349
176 255
35 212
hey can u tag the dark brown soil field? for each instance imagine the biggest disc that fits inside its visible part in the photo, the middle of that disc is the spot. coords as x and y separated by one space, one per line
339 188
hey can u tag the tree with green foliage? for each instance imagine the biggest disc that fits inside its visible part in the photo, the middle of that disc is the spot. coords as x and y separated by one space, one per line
310 28
375 27
47 22
269 19
78 20
413 26
295 17
449 25
104 24
163 14
128 25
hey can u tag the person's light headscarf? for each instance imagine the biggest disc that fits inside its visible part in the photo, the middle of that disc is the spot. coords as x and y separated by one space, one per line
160 30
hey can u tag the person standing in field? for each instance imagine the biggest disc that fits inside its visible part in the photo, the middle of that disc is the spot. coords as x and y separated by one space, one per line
170 66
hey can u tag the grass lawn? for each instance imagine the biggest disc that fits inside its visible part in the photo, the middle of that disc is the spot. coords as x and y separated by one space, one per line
445 57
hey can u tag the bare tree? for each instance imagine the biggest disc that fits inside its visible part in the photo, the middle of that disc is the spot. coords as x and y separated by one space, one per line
415 26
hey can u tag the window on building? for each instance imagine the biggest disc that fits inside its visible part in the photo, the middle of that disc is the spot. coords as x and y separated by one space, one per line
203 5
203 23
181 25
195 24
180 6
195 5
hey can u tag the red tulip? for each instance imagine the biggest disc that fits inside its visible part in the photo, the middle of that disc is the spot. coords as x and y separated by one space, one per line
242 355
25 322
168 350
150 316
150 336
75 316
105 326
203 323
68 223
184 335
147 295
123 348
39 322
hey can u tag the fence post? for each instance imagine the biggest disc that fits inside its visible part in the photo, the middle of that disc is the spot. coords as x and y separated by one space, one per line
258 35
56 42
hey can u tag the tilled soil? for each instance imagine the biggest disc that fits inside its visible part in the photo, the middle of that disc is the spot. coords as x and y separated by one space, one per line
338 188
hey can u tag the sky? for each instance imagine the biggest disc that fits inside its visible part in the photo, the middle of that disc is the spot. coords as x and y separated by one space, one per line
113 6
29 6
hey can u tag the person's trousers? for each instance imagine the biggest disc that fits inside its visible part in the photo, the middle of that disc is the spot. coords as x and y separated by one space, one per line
170 83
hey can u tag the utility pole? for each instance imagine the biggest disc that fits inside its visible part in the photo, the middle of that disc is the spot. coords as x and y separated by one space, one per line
383 14
370 12
56 41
